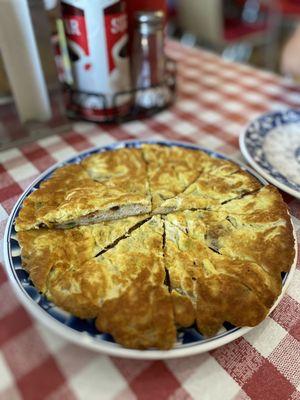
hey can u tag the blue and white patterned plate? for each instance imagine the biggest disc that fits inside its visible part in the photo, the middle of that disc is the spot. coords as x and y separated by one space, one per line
271 145
83 332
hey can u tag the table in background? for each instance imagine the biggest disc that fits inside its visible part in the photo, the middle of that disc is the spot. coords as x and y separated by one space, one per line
216 99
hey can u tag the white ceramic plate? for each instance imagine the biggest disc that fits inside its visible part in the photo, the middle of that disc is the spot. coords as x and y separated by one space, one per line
83 332
271 145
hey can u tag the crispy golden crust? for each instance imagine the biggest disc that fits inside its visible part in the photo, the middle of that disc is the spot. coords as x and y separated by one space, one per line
73 278
43 250
211 190
224 247
184 310
108 275
124 169
171 170
254 236
192 266
127 284
50 194
50 255
235 236
223 298
266 216
142 317
262 206
82 194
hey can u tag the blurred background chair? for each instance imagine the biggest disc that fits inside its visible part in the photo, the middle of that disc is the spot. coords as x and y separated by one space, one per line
290 9
289 14
231 27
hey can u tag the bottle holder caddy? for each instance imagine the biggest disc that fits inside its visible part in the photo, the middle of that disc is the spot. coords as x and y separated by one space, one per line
139 102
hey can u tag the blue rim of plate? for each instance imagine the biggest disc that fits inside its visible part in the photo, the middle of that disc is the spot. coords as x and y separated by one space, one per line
83 332
251 145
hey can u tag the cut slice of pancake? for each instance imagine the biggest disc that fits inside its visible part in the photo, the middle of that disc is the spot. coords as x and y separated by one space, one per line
124 169
237 236
127 278
260 227
264 205
46 250
128 281
214 187
91 192
141 317
171 170
213 288
255 236
114 270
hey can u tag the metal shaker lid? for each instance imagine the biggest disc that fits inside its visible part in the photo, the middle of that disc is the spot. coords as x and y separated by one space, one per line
149 17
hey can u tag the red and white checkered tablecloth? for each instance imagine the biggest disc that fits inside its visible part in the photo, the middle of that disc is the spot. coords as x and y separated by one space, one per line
216 99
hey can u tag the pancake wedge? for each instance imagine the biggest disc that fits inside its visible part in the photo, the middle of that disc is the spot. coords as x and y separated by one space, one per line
211 288
141 317
127 278
88 193
213 188
264 205
237 236
171 170
127 284
255 236
51 253
124 169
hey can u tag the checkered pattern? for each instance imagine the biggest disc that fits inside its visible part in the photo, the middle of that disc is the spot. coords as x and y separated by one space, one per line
216 99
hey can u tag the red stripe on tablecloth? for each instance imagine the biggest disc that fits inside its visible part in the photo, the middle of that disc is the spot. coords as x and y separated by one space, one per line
285 357
287 313
295 330
201 74
8 300
41 381
73 359
9 203
155 382
77 141
63 392
213 129
5 178
130 368
13 323
15 162
167 132
21 355
13 189
267 383
187 366
230 116
34 151
38 156
3 276
239 359
118 133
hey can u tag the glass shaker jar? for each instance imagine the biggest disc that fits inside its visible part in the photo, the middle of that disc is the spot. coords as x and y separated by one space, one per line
148 59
